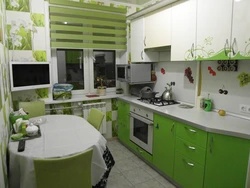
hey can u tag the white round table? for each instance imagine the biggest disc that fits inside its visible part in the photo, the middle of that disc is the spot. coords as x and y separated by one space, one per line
61 135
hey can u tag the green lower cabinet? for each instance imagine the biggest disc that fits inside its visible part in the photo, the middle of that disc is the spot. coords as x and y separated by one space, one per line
145 155
163 144
123 131
123 121
188 173
191 151
226 161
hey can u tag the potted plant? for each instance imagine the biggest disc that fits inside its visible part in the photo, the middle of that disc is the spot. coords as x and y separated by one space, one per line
101 89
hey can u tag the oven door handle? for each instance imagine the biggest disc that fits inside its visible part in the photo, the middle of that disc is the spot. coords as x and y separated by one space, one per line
141 119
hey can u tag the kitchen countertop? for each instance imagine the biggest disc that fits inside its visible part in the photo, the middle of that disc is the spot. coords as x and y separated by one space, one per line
82 97
207 121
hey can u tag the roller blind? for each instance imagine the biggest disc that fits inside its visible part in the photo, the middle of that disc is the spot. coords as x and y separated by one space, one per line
83 25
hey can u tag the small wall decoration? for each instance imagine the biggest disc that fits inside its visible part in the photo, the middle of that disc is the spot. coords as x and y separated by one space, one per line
227 65
163 71
223 91
188 74
244 79
211 71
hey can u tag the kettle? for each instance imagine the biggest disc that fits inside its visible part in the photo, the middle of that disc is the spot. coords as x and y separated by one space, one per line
167 94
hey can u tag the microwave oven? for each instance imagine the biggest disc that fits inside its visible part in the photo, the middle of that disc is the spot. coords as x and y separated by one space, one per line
133 73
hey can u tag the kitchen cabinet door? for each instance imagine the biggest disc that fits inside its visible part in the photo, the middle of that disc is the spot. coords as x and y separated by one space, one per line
163 144
183 31
213 29
240 30
226 161
123 122
158 28
188 173
138 43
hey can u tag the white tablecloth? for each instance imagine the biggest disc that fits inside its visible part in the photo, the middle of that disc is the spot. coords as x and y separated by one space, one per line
62 135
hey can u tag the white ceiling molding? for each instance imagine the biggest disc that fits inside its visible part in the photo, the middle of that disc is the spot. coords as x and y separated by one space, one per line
151 8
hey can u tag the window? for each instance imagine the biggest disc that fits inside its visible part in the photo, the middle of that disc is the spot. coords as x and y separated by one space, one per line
104 68
84 68
70 68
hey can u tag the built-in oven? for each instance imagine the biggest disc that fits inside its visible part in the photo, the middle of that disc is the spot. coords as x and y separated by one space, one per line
141 127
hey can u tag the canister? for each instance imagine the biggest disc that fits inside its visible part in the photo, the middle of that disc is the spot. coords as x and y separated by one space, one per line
207 105
200 102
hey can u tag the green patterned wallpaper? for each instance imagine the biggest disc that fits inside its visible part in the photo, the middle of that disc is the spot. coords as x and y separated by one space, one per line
5 96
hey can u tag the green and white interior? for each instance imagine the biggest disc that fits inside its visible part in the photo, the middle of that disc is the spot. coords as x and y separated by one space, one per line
195 34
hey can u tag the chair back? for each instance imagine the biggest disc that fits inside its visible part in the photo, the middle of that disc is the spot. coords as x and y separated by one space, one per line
95 118
67 172
35 108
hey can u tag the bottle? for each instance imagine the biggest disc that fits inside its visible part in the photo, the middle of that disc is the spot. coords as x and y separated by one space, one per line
200 102
153 76
208 105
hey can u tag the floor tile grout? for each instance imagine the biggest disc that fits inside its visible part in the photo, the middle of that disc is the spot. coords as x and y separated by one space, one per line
118 149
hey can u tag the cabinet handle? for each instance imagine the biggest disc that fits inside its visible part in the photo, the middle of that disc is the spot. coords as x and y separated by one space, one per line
140 151
189 164
190 130
157 126
172 129
190 147
233 45
142 54
192 50
144 41
210 144
225 47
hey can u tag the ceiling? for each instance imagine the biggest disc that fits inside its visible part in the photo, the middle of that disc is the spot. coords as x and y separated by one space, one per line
135 2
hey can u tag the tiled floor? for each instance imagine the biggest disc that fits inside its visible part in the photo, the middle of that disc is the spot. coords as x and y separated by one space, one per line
130 171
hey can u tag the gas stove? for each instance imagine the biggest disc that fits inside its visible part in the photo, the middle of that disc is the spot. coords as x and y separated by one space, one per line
157 101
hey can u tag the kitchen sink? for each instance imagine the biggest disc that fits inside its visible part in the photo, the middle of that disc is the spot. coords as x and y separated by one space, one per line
186 106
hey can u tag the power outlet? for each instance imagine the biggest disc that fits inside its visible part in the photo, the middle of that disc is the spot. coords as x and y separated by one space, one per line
244 108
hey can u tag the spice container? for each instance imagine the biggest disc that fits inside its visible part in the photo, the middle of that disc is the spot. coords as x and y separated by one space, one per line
153 76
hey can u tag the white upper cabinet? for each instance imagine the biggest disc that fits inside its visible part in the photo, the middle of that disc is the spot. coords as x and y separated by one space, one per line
241 30
158 28
183 30
138 43
213 29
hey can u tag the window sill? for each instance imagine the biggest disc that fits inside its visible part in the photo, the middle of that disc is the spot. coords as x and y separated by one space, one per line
78 98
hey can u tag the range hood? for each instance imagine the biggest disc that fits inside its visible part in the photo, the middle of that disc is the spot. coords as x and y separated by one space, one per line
150 8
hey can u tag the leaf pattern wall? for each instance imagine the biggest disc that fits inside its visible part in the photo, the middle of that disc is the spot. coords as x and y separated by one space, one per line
5 97
18 5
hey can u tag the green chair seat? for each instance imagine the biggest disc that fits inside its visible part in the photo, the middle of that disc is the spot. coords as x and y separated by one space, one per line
68 172
34 108
95 118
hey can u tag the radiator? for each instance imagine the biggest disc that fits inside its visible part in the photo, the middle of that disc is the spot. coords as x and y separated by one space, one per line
100 106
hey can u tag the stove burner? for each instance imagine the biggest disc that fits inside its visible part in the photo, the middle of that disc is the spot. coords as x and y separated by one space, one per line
158 101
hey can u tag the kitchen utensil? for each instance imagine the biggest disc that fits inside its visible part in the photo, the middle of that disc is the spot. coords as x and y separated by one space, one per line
146 88
148 94
167 94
